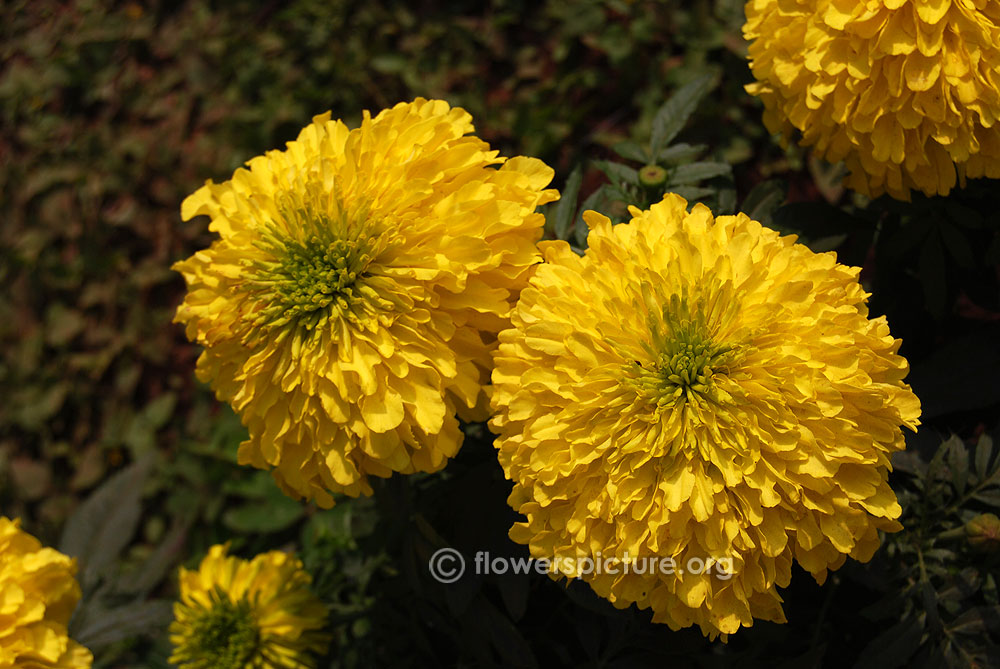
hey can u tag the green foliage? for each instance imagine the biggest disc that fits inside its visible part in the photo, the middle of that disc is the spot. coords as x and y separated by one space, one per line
116 607
941 598
666 169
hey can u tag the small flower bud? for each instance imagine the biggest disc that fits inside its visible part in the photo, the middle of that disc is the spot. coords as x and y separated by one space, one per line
652 176
983 532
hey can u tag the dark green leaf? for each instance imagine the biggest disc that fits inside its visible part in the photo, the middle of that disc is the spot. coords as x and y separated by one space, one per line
619 174
977 621
276 513
680 153
507 639
632 151
566 206
153 570
104 524
824 244
765 198
958 463
958 245
828 178
893 647
989 590
726 205
909 462
934 468
929 597
692 193
673 115
694 172
103 628
514 592
621 194
984 454
158 411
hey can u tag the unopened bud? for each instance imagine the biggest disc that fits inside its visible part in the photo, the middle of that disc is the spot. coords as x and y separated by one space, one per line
652 176
983 532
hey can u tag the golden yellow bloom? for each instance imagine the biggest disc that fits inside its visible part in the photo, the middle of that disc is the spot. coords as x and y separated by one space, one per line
698 389
350 306
247 614
907 92
38 592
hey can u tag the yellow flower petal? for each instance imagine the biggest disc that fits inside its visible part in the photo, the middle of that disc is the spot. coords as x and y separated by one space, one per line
38 592
905 93
724 396
260 614
350 305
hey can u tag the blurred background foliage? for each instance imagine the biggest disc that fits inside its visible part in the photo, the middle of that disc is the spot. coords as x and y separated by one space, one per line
112 112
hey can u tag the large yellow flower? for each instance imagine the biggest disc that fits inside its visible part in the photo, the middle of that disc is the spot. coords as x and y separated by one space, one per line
38 592
247 614
698 389
907 92
349 308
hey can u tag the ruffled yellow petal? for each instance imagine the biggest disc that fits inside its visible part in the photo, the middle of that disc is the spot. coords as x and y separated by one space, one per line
698 388
252 614
350 305
906 92
38 592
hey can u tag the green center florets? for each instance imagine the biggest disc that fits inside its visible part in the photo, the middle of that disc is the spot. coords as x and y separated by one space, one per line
684 360
315 265
313 275
224 636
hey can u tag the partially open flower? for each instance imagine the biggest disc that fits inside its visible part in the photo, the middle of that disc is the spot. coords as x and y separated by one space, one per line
247 614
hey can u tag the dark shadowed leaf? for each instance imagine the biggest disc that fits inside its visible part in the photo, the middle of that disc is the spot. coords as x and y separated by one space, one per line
674 113
692 173
692 193
618 173
958 463
984 454
566 206
102 628
632 151
152 571
276 512
680 153
894 647
765 198
104 524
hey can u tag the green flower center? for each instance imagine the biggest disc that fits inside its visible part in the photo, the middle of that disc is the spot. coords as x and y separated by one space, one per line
684 360
224 636
315 265
311 276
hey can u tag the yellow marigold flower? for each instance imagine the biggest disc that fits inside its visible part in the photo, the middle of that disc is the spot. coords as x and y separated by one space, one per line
38 592
247 614
350 306
907 93
698 389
